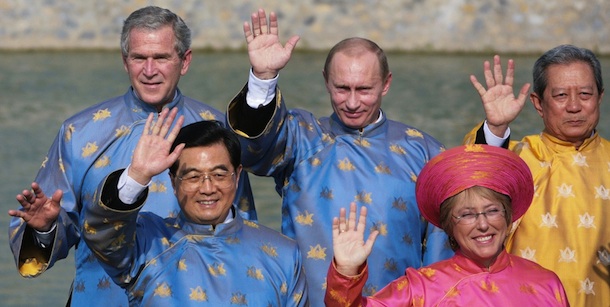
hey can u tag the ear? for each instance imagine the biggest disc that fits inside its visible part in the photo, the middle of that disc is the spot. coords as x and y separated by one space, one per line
537 102
186 62
125 64
386 85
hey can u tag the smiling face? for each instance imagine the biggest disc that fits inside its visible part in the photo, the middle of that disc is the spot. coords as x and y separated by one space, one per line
570 104
153 65
356 87
206 204
483 239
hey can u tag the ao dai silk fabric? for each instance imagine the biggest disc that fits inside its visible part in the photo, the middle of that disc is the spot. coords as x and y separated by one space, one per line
89 146
567 227
173 262
510 281
320 166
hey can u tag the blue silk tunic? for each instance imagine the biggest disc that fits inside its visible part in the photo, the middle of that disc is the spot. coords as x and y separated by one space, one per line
174 262
320 166
89 146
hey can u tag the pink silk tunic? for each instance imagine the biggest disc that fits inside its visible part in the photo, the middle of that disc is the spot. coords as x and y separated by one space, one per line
458 281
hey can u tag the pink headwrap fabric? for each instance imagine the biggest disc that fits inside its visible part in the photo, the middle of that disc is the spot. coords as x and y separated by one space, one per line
463 167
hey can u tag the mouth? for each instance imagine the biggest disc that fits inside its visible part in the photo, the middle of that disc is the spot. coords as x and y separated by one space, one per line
150 84
349 114
574 122
207 203
484 239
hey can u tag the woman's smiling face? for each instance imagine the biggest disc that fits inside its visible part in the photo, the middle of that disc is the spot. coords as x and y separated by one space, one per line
481 239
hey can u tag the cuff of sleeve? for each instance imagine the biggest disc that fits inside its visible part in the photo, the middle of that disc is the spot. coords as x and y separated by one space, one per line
129 189
260 92
45 238
492 139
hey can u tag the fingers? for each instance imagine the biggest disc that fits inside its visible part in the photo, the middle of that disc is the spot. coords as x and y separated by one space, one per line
510 73
351 222
273 26
16 213
248 32
342 225
477 85
164 122
57 195
498 78
259 25
489 78
148 124
523 93
262 19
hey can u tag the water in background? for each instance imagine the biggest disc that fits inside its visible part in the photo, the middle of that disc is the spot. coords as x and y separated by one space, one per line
38 91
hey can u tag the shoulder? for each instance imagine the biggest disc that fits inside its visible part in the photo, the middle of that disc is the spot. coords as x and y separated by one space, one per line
258 231
201 110
529 267
302 115
98 111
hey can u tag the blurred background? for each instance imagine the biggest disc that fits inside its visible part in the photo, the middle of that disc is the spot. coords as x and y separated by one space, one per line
530 26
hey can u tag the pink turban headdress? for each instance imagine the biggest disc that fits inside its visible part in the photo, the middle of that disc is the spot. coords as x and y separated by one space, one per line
463 167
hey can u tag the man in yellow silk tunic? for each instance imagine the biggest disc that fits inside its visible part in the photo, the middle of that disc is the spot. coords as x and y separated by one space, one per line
567 227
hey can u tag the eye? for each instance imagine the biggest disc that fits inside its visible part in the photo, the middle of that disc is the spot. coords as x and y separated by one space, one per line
192 178
492 212
219 176
468 215
585 95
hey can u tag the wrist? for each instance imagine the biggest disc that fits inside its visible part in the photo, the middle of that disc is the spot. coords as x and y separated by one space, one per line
264 75
137 176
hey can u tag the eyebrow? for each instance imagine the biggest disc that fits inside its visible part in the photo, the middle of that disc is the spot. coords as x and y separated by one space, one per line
194 169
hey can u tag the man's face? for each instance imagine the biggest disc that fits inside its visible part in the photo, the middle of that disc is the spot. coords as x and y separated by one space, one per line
206 200
153 65
356 87
570 106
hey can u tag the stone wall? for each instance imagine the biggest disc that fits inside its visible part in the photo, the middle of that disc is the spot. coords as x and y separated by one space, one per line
526 26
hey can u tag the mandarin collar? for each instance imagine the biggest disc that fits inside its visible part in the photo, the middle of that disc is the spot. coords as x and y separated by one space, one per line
143 108
558 145
371 130
221 230
467 264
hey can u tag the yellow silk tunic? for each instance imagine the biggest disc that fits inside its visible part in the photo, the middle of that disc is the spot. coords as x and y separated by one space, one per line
567 227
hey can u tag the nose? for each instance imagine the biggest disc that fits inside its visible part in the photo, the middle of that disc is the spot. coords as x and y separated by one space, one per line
481 221
574 104
207 186
352 101
150 67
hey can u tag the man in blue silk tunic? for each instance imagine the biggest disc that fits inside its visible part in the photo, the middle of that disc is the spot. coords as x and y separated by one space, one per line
207 254
320 165
156 53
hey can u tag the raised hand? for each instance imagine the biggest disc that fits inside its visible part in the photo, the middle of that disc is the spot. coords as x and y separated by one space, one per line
350 249
499 102
37 210
152 154
266 53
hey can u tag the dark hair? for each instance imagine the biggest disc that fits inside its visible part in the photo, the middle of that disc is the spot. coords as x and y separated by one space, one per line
565 54
154 18
207 133
355 45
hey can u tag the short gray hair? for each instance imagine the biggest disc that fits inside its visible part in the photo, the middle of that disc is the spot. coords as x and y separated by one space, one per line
154 18
565 54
